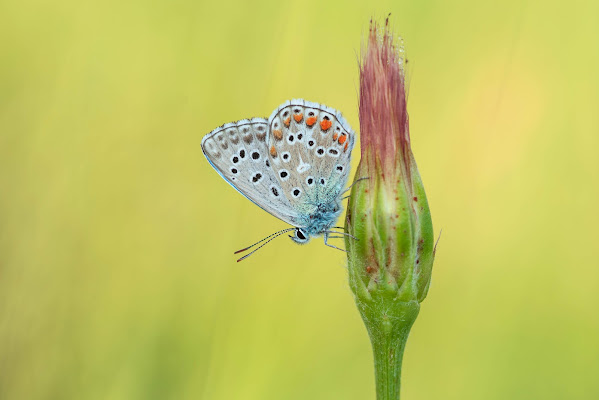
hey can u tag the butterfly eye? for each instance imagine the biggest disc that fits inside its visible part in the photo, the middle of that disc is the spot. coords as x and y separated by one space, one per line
300 235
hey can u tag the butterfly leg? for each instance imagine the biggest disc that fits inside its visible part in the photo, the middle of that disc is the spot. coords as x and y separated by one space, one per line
326 237
343 233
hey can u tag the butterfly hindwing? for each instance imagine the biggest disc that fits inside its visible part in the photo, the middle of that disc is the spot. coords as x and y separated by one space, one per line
239 153
309 147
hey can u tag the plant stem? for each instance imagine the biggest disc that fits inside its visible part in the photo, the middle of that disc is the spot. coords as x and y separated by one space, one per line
388 331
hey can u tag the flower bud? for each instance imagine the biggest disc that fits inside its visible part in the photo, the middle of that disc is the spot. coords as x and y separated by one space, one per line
388 214
390 243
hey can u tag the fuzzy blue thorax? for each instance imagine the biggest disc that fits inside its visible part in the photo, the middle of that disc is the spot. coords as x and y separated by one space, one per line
319 222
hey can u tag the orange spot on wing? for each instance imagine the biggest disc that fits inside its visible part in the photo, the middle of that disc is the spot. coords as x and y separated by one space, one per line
298 117
335 135
287 121
346 144
325 124
273 151
277 134
311 121
342 139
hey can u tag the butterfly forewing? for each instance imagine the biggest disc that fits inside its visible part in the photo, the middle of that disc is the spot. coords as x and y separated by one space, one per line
239 153
309 148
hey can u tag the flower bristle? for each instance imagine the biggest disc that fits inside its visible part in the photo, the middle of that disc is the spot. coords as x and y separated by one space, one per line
383 112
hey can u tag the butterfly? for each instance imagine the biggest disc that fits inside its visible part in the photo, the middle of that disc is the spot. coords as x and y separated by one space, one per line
295 166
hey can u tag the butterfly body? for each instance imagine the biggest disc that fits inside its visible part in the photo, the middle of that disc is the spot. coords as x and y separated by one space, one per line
319 222
295 165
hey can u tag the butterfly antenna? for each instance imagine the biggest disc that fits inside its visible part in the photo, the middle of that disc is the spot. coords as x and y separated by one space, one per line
273 236
268 237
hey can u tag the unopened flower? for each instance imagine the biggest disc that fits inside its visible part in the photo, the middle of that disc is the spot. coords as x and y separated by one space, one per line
391 247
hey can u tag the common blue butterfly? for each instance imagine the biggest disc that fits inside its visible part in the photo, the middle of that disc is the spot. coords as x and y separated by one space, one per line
294 165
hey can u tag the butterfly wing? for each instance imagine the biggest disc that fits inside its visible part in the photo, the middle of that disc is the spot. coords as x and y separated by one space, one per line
309 148
238 152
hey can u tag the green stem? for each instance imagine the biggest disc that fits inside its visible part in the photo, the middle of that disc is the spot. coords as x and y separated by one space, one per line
388 329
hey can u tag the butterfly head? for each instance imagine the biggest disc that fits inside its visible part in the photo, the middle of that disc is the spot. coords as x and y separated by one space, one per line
300 236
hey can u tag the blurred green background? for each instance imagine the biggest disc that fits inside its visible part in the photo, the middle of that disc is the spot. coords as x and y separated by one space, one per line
117 278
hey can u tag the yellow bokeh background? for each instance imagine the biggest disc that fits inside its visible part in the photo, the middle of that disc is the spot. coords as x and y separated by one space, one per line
117 278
